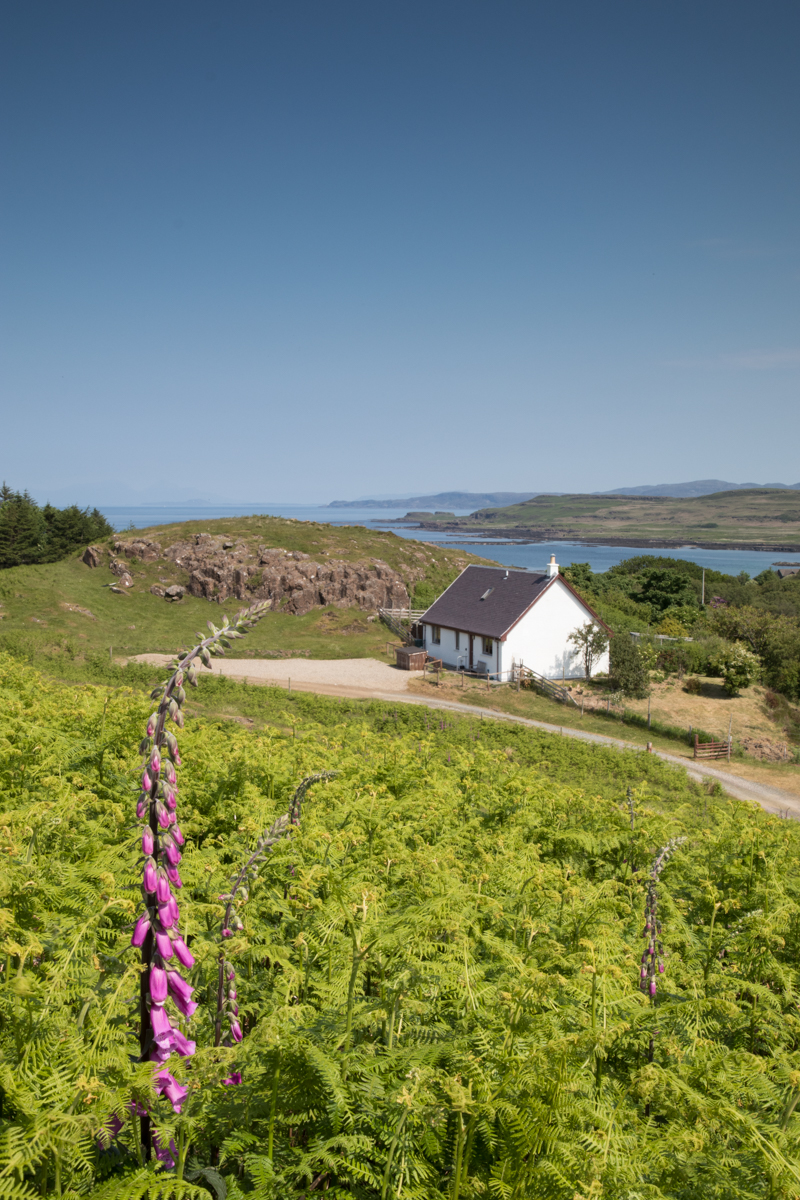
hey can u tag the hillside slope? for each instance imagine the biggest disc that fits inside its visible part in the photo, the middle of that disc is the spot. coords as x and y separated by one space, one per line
759 518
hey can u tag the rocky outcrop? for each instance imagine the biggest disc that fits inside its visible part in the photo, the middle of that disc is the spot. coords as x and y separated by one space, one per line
221 570
92 555
138 548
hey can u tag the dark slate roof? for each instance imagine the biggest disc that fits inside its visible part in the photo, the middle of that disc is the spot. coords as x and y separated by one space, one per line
462 607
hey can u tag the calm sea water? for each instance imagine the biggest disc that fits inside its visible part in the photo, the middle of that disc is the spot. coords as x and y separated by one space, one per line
510 554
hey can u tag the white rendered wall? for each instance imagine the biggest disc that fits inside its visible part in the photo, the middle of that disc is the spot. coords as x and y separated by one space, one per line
539 640
446 650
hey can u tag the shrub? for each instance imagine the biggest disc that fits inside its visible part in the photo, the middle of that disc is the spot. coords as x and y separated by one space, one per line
693 686
627 666
738 667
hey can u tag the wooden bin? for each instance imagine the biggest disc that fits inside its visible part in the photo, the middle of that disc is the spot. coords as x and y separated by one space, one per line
410 658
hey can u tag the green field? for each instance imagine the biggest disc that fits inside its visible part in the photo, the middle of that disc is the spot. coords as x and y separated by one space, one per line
65 612
758 517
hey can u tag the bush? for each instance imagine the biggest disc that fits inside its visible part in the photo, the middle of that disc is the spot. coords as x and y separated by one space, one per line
627 666
738 667
693 686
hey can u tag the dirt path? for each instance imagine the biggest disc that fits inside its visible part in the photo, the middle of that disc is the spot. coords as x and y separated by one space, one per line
368 679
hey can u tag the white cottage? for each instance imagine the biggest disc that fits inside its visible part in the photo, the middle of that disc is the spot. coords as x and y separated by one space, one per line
491 619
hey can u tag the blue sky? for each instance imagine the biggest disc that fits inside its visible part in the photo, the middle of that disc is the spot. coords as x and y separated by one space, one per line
323 250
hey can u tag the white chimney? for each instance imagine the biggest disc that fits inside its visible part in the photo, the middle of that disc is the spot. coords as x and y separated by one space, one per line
552 567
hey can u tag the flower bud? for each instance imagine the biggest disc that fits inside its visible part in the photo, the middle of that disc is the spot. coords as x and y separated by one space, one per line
171 818
147 782
178 986
661 968
177 836
165 915
155 761
173 854
174 877
173 908
236 1030
164 945
140 930
162 815
183 952
148 842
149 875
141 807
151 724
231 974
158 985
163 892
652 987
227 933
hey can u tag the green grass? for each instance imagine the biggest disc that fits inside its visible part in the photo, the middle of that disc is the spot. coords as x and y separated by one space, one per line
38 625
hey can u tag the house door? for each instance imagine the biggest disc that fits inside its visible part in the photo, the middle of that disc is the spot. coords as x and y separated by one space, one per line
470 651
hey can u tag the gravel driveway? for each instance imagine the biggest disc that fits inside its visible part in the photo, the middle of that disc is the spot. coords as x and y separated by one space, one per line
335 676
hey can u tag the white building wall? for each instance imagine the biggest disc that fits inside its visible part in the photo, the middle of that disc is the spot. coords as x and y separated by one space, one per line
540 642
454 658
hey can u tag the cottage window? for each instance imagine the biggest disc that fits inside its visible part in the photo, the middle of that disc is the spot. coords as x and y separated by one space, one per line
458 640
487 645
436 635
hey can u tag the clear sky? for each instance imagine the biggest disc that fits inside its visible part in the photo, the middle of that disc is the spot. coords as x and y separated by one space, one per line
327 249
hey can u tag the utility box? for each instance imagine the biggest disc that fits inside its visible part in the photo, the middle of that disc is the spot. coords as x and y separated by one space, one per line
410 658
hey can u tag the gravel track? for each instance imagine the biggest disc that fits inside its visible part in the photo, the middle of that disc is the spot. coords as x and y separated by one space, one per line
366 678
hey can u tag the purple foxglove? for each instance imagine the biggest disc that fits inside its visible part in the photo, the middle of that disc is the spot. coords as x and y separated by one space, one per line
643 973
227 933
174 877
161 1054
140 930
171 818
147 782
169 1086
151 725
169 772
142 805
148 842
176 835
232 994
235 1009
233 1080
166 1154
164 945
652 987
231 974
183 952
661 968
171 801
236 1030
158 985
182 1045
173 854
165 915
162 814
186 1007
178 986
161 1025
174 910
155 761
149 875
163 892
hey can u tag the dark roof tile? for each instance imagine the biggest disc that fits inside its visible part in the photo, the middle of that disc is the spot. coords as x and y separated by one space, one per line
486 600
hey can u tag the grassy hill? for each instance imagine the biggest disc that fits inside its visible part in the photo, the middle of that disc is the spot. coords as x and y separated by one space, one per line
65 610
756 518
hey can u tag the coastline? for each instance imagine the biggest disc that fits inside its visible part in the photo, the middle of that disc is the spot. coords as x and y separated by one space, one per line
527 536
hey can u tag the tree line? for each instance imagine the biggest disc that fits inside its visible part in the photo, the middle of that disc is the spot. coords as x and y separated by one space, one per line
30 533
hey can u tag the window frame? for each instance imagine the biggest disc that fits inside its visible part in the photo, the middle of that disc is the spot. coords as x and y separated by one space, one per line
488 645
457 633
436 635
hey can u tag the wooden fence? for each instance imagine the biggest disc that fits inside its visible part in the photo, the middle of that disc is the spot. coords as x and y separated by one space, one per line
712 749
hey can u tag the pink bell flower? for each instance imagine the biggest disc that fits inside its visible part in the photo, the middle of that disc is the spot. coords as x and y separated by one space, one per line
176 835
178 986
141 807
173 854
652 987
147 782
233 1080
140 930
173 908
162 887
168 1085
148 842
155 761
165 915
182 1045
150 875
162 814
161 1025
183 952
174 877
168 1155
163 945
169 772
158 985
236 1030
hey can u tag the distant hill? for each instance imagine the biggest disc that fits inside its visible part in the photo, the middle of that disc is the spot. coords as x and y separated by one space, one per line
698 487
443 500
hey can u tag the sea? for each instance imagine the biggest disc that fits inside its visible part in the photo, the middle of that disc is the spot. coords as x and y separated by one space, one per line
530 555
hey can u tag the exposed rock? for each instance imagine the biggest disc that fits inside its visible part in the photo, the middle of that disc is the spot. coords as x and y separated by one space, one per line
139 548
175 592
92 555
118 567
157 590
77 608
289 578
126 580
